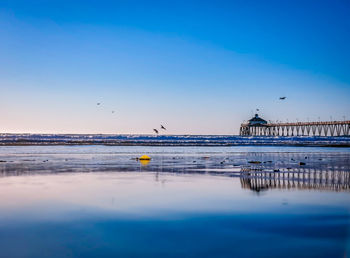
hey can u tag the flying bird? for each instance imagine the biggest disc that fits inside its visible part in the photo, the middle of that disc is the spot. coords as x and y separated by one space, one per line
113 112
282 98
162 127
156 131
98 103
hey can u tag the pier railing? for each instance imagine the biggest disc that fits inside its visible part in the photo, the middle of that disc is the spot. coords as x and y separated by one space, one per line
330 128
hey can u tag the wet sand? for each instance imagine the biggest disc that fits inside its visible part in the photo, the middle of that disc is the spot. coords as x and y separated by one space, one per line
328 167
95 201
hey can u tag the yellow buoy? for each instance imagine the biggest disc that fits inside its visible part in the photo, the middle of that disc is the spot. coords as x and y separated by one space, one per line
144 157
144 160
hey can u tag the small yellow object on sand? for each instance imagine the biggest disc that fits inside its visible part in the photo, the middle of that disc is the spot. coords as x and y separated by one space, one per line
144 157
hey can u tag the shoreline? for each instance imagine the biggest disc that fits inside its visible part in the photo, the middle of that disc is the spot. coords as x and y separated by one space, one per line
341 145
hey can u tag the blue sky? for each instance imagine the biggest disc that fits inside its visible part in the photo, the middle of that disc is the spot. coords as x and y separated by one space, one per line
199 67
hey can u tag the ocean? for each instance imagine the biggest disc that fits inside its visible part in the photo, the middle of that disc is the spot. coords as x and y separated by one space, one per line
169 140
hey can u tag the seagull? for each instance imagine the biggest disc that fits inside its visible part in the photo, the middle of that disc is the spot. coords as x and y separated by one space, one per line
283 98
156 131
162 127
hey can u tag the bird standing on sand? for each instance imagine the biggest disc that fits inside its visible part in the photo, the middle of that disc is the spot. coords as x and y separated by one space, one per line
162 127
156 131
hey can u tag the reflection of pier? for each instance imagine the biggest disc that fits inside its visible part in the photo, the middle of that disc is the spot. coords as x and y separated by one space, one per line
308 178
261 127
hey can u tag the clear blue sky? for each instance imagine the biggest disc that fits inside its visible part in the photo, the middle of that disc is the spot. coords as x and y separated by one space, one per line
198 67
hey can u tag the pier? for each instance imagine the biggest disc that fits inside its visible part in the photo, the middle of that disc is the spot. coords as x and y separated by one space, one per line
259 127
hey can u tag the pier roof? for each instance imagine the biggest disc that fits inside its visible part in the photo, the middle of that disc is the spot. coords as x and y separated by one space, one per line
257 120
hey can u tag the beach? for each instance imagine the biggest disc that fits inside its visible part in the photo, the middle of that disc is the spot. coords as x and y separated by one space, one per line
91 201
144 129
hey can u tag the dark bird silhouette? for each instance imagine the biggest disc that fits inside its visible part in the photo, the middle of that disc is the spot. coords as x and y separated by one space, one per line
162 127
156 131
283 98
98 103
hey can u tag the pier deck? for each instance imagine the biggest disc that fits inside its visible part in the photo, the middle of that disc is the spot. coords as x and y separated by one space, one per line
330 128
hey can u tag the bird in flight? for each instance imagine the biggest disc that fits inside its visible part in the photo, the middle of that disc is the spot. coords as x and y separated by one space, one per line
156 131
282 98
98 103
162 127
113 112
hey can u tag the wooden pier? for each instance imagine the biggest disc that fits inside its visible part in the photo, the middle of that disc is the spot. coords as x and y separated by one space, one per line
331 128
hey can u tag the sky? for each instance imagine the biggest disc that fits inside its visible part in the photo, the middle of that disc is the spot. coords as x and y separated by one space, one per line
197 67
